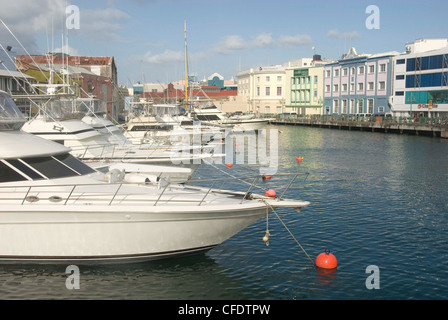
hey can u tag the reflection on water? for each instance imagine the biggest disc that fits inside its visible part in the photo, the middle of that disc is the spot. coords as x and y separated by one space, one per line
376 199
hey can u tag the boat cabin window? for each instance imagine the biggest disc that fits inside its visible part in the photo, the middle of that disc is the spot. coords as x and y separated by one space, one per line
211 117
59 166
74 163
8 174
52 168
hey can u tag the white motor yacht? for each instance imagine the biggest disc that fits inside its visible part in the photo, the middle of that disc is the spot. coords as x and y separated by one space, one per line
56 209
101 148
207 112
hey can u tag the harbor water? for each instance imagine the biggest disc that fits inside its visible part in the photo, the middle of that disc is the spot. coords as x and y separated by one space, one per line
376 200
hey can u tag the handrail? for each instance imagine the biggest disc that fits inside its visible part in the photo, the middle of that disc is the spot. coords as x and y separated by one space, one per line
110 194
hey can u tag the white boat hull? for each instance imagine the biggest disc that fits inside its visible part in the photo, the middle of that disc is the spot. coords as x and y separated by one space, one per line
80 237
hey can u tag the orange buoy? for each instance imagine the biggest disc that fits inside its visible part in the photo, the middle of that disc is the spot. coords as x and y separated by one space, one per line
299 158
270 193
265 177
326 260
229 165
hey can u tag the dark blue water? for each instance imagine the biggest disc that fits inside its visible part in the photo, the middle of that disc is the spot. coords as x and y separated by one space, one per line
376 199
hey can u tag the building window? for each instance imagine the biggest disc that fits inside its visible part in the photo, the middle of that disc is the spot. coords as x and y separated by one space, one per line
327 88
371 69
360 86
401 61
382 85
352 87
279 78
344 106
335 106
360 70
258 91
268 78
353 71
268 91
336 72
267 109
399 77
360 106
352 106
370 106
344 87
327 73
380 109
279 91
383 67
258 79
399 93
370 86
335 88
315 79
345 71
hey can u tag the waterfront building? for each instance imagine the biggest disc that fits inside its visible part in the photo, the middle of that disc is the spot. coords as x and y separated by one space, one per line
421 80
359 84
304 86
11 80
97 76
262 89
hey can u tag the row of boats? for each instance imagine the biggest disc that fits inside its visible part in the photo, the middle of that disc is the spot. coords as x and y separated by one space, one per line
77 188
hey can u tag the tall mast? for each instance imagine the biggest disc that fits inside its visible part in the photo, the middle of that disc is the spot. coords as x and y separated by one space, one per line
186 69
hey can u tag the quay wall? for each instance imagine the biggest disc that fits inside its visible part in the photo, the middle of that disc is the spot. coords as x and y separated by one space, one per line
435 127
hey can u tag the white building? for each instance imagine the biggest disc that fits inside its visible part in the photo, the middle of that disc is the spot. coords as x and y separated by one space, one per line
421 80
263 88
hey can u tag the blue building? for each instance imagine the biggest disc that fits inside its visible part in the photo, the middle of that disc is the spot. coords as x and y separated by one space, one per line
359 84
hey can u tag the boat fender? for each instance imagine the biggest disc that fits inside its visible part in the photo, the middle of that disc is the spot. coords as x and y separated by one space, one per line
139 178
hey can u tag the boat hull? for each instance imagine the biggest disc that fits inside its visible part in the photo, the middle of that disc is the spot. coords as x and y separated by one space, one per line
83 237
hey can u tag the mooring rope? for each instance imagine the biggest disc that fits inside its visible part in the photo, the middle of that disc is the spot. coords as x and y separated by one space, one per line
298 243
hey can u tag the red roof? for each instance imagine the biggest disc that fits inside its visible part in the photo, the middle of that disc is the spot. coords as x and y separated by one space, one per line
58 59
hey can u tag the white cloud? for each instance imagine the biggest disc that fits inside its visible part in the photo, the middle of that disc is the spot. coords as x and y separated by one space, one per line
334 33
167 56
263 40
297 40
67 49
102 24
229 44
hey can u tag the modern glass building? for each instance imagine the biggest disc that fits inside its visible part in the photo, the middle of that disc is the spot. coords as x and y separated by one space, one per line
421 79
359 84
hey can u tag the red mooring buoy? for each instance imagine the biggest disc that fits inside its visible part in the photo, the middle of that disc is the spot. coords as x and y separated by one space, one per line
229 165
270 193
265 177
326 260
299 159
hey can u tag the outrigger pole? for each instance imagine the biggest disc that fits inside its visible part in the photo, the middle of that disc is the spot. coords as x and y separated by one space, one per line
186 69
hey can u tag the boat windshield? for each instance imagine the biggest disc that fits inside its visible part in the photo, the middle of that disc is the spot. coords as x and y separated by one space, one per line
10 116
40 168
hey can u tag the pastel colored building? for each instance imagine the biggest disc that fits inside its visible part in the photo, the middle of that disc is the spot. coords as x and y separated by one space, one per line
359 84
262 89
304 86
421 80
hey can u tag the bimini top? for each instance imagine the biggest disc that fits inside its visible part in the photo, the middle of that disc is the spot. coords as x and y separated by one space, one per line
10 116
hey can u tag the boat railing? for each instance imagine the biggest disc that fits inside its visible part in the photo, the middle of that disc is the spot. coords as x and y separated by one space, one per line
116 193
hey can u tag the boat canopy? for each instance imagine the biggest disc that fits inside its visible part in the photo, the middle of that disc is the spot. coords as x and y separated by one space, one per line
10 116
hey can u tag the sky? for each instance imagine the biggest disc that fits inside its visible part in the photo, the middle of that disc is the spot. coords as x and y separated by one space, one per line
146 37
